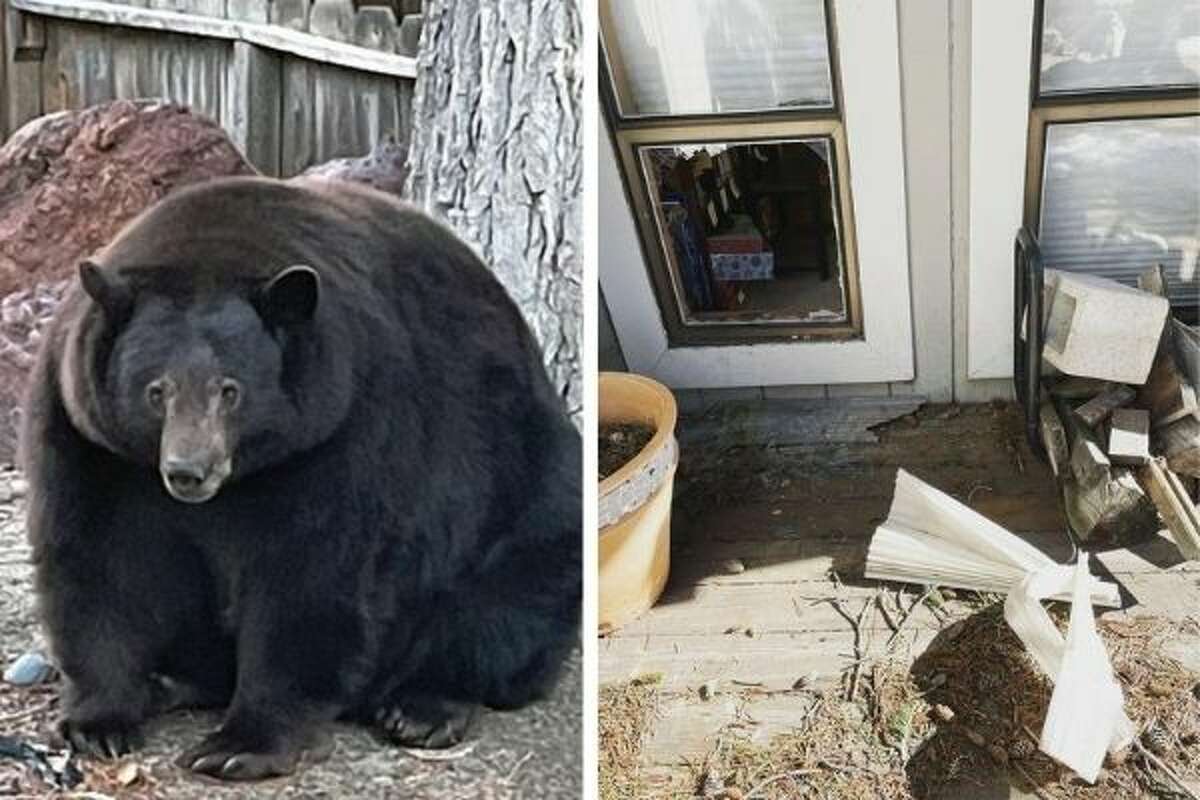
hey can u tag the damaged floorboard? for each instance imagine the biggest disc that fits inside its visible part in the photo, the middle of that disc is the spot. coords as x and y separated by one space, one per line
763 523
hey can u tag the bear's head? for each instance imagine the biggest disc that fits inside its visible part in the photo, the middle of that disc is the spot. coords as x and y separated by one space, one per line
194 379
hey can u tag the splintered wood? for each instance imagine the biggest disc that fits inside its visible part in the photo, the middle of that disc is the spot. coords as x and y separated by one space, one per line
931 538
1175 507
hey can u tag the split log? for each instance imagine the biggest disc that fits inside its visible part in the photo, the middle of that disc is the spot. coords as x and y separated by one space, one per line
1103 502
1054 438
1096 410
1179 442
1170 389
1174 506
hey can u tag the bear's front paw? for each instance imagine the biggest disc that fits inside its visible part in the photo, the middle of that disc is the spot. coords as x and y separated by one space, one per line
233 757
426 722
106 736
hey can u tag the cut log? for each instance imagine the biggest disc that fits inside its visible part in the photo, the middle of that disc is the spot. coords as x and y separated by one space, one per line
1129 436
1115 511
1103 502
1174 506
1054 438
1099 328
1096 410
1071 387
1170 389
1179 442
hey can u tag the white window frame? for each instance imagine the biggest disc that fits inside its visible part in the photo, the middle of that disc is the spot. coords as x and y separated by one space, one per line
868 38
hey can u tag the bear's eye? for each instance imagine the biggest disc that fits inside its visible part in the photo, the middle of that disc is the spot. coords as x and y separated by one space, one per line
231 394
156 396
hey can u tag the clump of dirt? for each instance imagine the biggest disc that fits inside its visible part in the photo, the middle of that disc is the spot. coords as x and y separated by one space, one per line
619 443
960 721
626 713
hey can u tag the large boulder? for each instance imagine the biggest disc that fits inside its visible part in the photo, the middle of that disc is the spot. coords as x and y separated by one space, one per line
382 168
68 182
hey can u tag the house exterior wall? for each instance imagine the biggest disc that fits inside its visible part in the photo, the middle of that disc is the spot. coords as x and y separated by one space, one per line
935 88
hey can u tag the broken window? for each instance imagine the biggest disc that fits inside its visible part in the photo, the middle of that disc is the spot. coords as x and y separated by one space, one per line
1115 141
727 121
749 229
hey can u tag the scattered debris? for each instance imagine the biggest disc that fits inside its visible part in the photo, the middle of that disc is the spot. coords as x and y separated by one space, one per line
1086 716
931 538
626 713
55 767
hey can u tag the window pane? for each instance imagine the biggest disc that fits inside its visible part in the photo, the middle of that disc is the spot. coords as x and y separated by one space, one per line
1119 44
751 230
713 56
1120 196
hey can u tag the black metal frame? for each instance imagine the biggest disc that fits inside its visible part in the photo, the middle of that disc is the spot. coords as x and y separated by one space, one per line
1028 332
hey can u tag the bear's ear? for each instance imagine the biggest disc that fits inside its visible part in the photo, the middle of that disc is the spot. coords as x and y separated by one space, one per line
108 294
290 297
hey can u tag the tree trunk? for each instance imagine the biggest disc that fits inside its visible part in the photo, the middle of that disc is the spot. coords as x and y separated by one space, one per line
496 151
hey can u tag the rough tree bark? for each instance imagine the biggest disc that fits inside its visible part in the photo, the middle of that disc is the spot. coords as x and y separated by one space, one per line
496 151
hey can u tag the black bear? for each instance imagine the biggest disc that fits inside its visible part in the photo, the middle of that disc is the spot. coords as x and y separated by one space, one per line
292 450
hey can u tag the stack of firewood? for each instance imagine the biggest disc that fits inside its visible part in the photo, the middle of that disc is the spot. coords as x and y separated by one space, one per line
1127 453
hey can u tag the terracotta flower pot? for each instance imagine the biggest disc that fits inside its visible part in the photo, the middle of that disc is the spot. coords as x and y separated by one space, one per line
635 501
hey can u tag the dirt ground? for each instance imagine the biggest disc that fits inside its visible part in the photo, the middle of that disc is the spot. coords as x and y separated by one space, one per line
746 659
534 752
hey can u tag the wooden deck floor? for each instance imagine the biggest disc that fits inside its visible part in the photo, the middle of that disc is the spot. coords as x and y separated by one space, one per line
775 506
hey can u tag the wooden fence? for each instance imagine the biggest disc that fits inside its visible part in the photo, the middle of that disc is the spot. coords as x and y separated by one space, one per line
294 82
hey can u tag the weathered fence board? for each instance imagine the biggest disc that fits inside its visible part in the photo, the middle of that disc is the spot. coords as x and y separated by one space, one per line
294 82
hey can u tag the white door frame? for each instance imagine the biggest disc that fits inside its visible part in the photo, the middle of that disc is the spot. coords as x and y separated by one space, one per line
869 55
1001 41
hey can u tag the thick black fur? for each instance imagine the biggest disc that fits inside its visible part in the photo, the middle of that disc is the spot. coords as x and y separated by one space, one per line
399 541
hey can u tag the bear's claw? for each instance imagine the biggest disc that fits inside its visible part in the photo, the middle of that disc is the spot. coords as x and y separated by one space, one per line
417 727
104 738
220 757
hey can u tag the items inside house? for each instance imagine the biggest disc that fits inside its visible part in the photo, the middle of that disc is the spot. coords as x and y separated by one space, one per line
750 229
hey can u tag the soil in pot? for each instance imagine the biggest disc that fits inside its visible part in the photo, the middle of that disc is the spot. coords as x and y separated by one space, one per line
619 443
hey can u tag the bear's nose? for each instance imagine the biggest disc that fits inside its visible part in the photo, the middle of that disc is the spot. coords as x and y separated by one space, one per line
184 475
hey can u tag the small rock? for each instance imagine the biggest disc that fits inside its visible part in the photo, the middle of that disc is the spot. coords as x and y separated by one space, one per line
734 566
707 690
943 713
1021 749
998 754
28 670
1156 739
128 774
